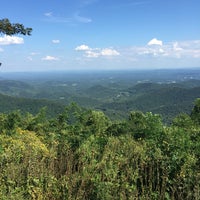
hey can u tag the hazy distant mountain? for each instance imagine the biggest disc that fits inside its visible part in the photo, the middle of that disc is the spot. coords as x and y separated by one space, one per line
167 92
166 100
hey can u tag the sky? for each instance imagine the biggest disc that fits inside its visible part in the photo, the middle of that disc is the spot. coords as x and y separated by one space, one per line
101 35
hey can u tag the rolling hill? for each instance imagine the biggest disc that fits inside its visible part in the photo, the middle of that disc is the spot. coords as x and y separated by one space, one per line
9 103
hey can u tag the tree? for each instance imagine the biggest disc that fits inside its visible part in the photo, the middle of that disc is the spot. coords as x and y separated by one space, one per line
195 114
145 126
8 28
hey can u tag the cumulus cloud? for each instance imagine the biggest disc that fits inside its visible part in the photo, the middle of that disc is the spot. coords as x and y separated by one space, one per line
55 41
92 54
7 40
97 52
82 47
175 49
109 52
154 41
157 54
50 58
183 52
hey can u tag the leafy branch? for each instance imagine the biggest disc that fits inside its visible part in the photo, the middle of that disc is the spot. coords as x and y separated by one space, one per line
8 28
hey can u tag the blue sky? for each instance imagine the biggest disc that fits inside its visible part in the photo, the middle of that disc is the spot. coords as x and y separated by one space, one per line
102 34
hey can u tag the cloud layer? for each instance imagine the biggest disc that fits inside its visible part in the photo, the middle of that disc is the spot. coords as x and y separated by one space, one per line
155 53
182 49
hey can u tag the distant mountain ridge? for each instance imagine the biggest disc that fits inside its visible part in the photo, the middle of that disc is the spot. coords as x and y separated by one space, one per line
167 93
167 100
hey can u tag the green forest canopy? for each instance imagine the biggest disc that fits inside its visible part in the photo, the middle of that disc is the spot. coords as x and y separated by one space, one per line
82 154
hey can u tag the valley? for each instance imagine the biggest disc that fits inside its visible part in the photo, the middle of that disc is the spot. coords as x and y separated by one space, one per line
116 93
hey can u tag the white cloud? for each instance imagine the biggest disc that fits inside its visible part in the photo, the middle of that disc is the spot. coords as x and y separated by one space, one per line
92 54
32 55
154 41
1 50
109 52
176 47
50 58
48 14
55 41
183 53
82 47
170 50
97 52
81 19
7 40
161 50
196 54
184 49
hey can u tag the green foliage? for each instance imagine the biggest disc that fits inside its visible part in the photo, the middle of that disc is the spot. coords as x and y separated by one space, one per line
183 120
8 28
195 114
145 126
82 154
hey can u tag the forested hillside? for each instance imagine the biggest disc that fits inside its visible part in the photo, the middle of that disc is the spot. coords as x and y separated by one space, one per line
82 154
167 93
9 103
167 100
